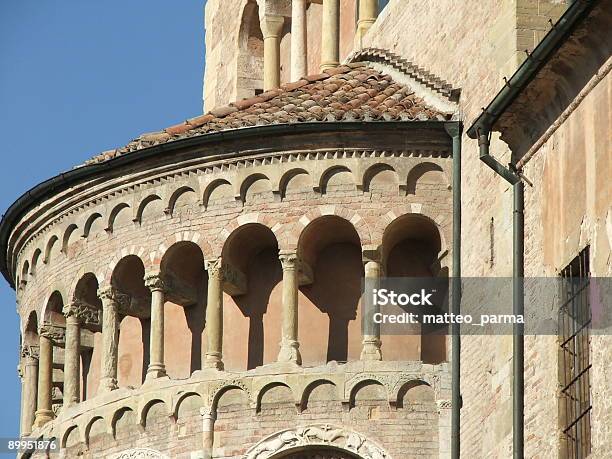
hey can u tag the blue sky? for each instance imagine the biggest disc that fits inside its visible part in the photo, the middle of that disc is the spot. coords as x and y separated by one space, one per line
76 78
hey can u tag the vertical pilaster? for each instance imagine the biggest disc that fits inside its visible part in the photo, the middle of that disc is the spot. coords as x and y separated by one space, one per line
330 39
72 357
157 368
29 364
289 351
371 330
368 12
214 315
271 27
110 340
208 432
299 40
44 412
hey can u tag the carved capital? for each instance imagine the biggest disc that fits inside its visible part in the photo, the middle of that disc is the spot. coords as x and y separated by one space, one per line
107 294
155 282
53 332
29 352
87 314
289 260
125 303
215 268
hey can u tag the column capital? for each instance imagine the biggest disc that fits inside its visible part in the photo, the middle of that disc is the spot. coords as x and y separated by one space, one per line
84 313
30 354
124 303
155 282
271 25
53 332
289 259
108 293
214 268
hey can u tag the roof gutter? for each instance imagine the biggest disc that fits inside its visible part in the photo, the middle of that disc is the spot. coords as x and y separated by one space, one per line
574 14
65 179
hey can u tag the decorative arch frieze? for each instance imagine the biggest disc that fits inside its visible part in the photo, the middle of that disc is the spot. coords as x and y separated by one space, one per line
316 436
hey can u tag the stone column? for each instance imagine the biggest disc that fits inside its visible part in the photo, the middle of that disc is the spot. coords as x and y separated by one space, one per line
368 12
371 331
214 315
110 340
289 351
72 357
157 368
330 39
299 41
271 27
29 362
208 432
44 412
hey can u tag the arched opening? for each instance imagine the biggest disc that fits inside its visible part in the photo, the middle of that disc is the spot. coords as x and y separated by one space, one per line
411 248
54 317
30 334
135 324
249 72
86 292
182 269
330 246
252 250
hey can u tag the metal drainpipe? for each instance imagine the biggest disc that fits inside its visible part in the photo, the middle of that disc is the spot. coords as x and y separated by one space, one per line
454 130
518 304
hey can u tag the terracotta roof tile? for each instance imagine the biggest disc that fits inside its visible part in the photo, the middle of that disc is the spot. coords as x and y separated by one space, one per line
353 91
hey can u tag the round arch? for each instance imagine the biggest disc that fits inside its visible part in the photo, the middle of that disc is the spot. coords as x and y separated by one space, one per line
317 438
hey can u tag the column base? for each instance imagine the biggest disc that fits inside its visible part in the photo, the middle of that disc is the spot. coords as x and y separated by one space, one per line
213 360
328 65
42 417
108 384
290 352
371 350
155 371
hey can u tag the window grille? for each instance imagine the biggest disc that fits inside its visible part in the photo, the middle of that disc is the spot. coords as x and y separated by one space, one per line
574 362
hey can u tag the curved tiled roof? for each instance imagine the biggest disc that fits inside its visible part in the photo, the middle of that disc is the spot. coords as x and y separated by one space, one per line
351 92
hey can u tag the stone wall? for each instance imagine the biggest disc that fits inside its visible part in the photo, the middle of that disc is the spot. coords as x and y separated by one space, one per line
472 47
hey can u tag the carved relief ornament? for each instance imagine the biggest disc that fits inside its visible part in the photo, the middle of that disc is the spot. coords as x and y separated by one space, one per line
319 435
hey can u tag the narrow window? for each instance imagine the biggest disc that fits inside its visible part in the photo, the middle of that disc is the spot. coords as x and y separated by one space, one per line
574 359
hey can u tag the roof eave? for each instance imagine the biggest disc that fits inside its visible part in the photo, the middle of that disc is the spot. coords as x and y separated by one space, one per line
64 179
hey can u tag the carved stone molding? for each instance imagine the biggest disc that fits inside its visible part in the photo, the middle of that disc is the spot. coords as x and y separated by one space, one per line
444 404
140 453
230 383
318 435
